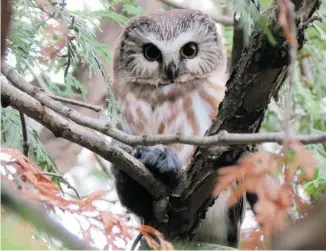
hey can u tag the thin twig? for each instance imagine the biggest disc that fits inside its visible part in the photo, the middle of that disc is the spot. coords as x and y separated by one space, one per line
39 80
41 83
288 101
287 21
69 50
224 20
63 180
40 218
223 138
76 102
104 166
24 133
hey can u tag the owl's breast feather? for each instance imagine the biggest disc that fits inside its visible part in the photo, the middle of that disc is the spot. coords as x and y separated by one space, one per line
190 114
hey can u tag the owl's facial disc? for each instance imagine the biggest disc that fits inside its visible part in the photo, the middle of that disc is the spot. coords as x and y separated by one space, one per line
170 47
170 62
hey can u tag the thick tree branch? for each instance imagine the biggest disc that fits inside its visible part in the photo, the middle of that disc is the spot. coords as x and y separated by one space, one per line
257 78
85 137
222 138
224 20
39 218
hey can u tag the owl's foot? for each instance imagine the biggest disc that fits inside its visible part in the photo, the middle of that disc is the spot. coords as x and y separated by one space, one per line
163 163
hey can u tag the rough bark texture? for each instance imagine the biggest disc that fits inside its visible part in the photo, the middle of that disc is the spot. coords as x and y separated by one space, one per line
254 81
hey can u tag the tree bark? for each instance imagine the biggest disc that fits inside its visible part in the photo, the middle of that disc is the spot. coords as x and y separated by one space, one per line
257 78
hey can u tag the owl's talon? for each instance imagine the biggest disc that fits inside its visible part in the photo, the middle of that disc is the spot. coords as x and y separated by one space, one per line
164 164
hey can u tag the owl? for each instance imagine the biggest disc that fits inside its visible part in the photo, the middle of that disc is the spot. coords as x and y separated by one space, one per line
169 77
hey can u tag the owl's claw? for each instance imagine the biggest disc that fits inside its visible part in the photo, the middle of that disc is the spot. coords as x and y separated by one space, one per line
163 163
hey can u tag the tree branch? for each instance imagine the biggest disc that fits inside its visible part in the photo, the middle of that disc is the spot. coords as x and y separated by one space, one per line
39 218
222 138
24 133
258 76
85 137
63 180
224 20
76 102
40 82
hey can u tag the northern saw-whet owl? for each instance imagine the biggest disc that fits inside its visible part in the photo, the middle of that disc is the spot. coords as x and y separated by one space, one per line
169 77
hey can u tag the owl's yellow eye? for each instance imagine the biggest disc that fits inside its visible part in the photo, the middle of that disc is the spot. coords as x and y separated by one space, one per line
151 52
189 50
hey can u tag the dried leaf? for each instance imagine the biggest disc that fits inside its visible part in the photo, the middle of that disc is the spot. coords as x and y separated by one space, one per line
149 233
38 188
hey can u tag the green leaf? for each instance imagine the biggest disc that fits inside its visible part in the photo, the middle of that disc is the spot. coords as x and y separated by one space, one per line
132 9
72 82
11 136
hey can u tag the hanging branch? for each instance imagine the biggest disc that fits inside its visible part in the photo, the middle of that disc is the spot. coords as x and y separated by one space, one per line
24 133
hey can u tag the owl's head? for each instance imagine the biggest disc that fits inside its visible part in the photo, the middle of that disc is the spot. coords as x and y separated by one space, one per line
169 47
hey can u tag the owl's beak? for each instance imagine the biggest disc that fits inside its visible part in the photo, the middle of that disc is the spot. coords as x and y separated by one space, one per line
171 72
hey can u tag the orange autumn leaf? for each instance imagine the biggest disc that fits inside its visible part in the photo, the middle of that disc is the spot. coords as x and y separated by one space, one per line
304 159
38 188
150 234
255 173
287 21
